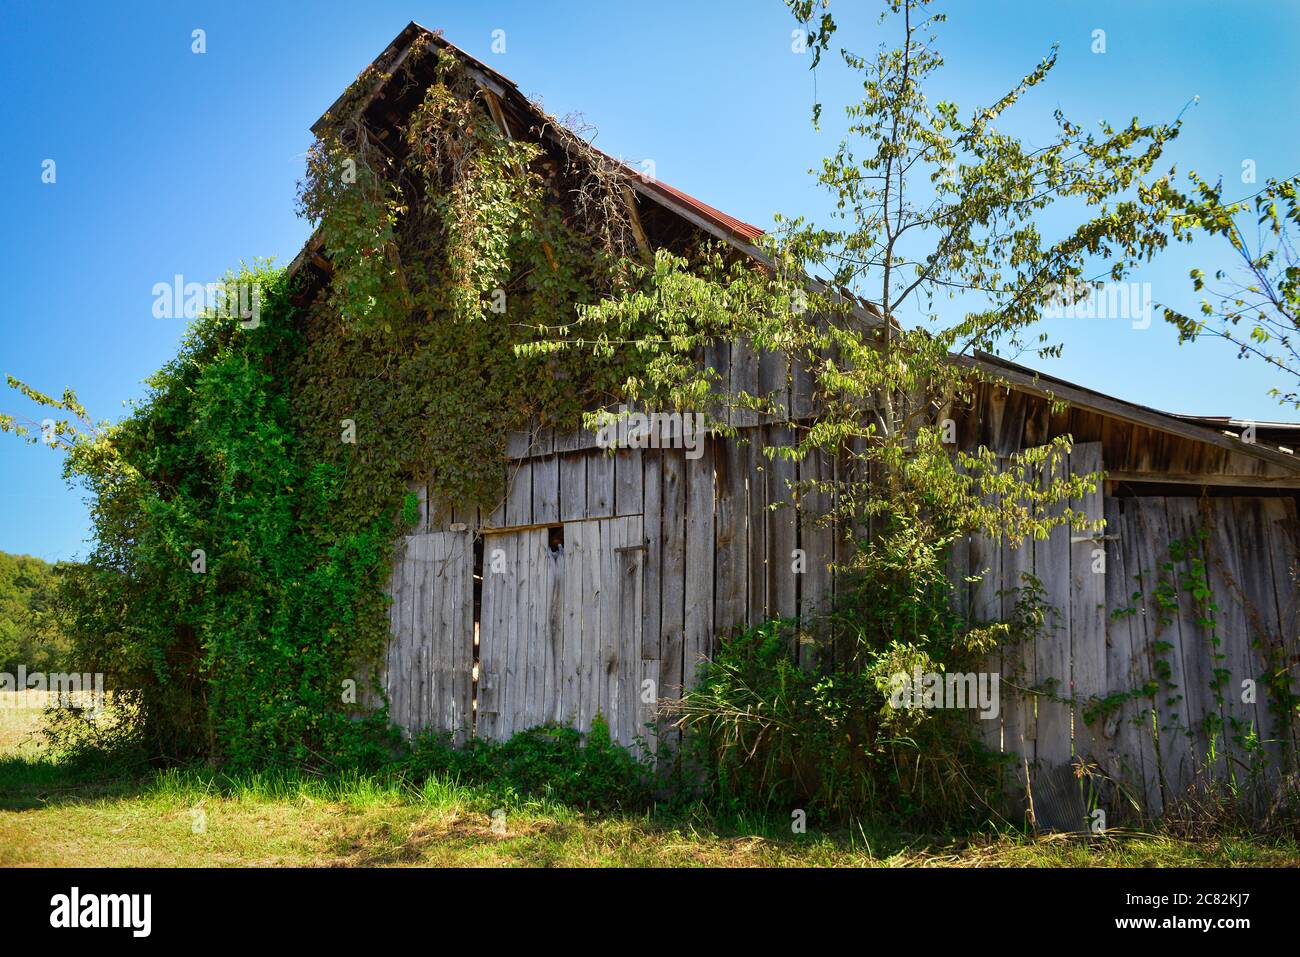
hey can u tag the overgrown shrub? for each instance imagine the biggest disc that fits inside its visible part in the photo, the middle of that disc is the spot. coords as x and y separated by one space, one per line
775 727
549 761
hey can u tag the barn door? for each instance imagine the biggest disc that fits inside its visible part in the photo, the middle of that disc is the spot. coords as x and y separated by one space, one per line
560 630
428 672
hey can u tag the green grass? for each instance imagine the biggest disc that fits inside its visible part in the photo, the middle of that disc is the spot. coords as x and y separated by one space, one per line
53 815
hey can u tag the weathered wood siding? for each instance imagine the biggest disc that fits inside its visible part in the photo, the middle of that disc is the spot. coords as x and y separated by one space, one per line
560 639
662 551
1126 620
428 669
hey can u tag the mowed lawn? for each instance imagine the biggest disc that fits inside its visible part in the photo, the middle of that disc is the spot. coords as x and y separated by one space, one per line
49 818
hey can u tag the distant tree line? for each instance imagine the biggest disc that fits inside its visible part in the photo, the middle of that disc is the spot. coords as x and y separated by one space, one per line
29 628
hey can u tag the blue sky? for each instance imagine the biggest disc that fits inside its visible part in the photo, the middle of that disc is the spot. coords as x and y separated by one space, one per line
172 162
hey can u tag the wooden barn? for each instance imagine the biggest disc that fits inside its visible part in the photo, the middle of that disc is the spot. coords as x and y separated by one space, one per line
601 580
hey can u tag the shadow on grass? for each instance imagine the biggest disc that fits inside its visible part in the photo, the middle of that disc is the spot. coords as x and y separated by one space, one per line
386 819
33 783
399 820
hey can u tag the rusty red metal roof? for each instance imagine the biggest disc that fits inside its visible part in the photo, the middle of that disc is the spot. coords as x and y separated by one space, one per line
715 216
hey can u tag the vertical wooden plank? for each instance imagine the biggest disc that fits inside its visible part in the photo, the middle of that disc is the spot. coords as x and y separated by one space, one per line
435 647
651 597
782 523
524 634
409 677
630 564
1280 518
443 638
984 564
439 515
1196 641
1053 658
450 645
610 646
519 494
719 406
652 465
1021 671
552 628
699 561
543 441
802 385
773 383
648 722
503 572
467 515
573 487
816 537
463 645
567 440
959 570
744 382
990 421
628 482
1259 589
518 443
495 517
731 549
503 637
546 489
1127 671
1164 648
401 610
489 697
574 604
673 574
591 621
1088 606
431 633
505 562
756 525
1224 570
533 621
600 484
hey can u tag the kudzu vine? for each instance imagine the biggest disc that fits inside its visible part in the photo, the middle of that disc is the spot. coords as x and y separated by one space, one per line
283 453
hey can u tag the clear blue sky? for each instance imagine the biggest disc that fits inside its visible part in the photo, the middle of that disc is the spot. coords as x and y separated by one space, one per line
170 162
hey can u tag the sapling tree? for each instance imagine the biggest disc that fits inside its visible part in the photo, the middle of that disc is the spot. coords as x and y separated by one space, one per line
1254 306
947 236
935 250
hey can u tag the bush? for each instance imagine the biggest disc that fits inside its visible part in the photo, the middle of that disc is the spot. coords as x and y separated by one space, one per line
549 761
766 732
